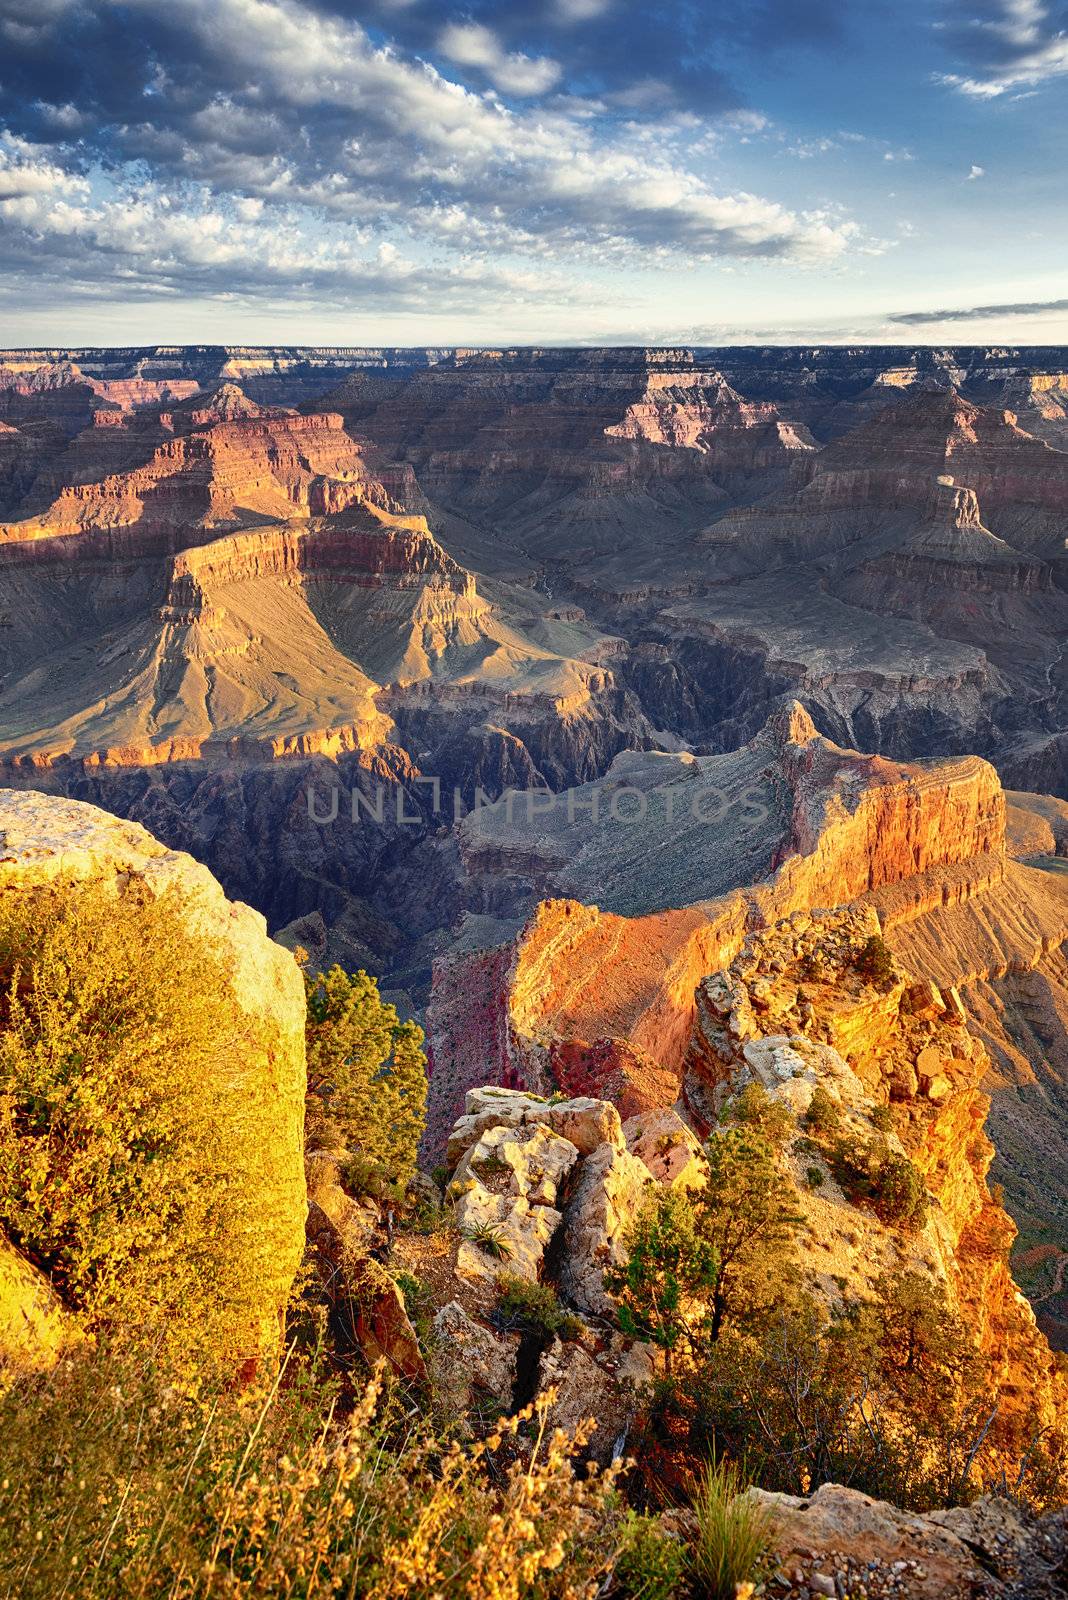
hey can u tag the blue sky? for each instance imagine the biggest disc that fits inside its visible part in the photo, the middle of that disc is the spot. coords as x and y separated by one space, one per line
410 172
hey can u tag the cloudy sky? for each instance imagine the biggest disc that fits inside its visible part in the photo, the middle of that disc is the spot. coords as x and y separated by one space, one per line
410 171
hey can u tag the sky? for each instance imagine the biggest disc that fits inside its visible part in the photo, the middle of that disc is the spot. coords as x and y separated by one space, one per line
411 172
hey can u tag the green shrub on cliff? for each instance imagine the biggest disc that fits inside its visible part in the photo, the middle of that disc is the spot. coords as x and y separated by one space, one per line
366 1076
116 1036
875 962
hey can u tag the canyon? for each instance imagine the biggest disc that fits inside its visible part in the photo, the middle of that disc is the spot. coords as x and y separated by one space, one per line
542 682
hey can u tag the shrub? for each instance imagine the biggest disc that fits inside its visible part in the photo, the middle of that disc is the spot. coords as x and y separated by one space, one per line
815 1177
875 962
733 1534
753 1107
824 1114
533 1308
650 1565
366 1073
870 1173
899 1196
883 1119
124 1147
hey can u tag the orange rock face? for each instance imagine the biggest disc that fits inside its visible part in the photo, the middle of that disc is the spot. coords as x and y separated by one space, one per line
855 825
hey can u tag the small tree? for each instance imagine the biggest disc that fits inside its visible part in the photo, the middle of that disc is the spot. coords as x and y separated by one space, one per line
746 1212
753 1107
367 1069
670 1273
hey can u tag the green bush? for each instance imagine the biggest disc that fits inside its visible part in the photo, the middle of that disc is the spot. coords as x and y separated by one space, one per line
753 1107
899 1196
650 1565
870 1173
815 1177
883 1119
824 1114
366 1076
875 962
533 1308
123 1141
733 1534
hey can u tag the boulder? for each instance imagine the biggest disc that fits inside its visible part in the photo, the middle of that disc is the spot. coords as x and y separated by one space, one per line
668 1147
612 1185
586 1123
955 1016
586 1391
533 1164
503 1192
472 1360
841 1533
924 1000
367 1308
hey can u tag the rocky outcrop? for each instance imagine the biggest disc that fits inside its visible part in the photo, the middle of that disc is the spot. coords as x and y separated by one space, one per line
832 826
55 843
839 1539
797 1011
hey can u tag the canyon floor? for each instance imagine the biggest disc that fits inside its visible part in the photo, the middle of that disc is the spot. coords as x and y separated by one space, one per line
749 633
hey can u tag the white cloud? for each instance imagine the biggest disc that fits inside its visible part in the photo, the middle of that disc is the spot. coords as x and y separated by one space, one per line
469 44
975 172
27 171
1019 44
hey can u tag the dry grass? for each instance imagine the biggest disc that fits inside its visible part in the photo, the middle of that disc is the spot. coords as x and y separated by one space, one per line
118 1485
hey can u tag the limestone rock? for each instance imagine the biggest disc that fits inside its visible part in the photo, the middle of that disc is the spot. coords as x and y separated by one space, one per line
469 1358
924 1000
587 1390
584 1122
45 841
668 1147
533 1163
504 1191
838 1526
611 1188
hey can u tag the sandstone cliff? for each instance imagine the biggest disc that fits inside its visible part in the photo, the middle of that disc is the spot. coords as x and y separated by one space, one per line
833 826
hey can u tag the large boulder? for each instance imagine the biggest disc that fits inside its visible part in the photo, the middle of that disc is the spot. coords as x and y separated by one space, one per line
471 1363
601 1390
837 1538
668 1147
504 1192
610 1191
584 1122
47 842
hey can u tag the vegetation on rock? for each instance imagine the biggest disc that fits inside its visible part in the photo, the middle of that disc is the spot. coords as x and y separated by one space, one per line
366 1077
123 1174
